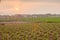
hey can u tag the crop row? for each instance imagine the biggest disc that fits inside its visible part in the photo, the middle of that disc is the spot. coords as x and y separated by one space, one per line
30 31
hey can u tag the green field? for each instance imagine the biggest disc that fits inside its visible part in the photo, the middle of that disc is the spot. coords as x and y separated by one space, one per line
41 28
30 31
39 19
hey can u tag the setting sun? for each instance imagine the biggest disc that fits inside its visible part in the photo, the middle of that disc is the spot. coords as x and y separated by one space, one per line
17 9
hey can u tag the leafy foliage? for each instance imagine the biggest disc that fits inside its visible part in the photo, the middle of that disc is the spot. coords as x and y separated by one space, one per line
30 31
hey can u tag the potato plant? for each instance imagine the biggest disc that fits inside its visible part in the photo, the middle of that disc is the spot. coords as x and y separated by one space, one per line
30 31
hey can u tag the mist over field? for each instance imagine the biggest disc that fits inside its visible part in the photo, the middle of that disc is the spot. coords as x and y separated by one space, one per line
29 19
10 7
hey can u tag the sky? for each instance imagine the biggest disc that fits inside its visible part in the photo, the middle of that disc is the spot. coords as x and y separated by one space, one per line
11 7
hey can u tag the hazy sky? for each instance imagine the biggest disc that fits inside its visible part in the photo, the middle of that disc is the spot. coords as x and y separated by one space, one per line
29 6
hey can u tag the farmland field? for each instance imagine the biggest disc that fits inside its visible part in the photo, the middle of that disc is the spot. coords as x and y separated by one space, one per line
38 19
30 31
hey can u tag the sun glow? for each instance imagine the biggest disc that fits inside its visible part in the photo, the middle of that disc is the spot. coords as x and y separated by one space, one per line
17 9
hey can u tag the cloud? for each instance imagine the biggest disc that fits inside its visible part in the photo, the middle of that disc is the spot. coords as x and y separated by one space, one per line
34 0
40 0
10 0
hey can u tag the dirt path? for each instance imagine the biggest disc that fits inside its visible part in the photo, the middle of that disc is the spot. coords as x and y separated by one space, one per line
14 22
